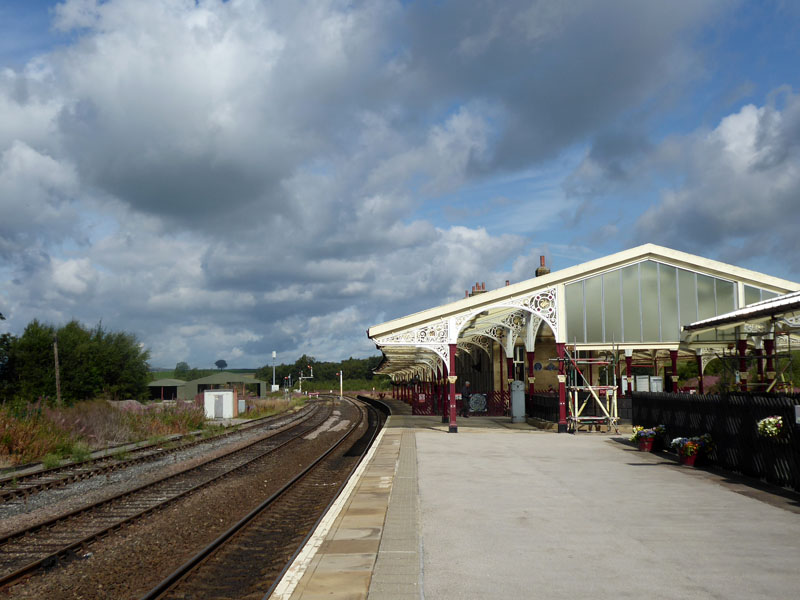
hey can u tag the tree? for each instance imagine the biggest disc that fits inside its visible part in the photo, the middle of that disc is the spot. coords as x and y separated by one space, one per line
93 362
221 364
6 364
181 370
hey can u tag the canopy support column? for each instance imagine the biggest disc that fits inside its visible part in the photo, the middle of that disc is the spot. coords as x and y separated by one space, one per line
562 389
742 347
700 382
531 376
769 350
759 352
628 369
452 379
673 358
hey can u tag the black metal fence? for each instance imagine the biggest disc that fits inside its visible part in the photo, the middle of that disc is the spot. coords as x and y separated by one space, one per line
731 420
542 406
545 406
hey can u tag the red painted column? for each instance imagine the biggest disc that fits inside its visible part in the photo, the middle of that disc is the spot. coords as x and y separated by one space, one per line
759 364
673 358
510 364
443 398
502 354
769 350
742 347
629 374
700 382
453 425
531 376
562 390
440 392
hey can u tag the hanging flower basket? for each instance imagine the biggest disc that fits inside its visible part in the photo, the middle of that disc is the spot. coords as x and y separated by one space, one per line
771 427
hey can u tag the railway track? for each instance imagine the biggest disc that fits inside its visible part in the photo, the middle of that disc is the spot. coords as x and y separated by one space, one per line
42 545
22 486
248 560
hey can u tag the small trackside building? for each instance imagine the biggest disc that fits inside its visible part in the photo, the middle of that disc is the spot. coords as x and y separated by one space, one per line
602 319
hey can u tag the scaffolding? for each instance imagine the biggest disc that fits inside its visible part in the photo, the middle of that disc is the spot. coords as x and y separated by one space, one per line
603 395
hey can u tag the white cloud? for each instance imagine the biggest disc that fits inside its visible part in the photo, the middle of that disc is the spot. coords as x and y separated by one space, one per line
225 179
739 180
74 277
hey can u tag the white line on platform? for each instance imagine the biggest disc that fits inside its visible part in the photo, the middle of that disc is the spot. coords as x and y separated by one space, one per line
294 574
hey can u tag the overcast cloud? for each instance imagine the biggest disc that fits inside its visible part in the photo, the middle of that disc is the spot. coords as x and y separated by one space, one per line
225 179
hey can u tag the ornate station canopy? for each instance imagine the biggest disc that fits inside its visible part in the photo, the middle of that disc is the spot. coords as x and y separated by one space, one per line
777 317
633 301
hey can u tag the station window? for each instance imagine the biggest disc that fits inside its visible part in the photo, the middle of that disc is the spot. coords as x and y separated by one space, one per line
754 294
648 301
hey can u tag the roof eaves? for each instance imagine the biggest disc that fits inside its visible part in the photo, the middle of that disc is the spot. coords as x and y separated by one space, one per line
580 271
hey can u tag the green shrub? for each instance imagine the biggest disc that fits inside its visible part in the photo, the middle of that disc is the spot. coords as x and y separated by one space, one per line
30 438
51 460
80 451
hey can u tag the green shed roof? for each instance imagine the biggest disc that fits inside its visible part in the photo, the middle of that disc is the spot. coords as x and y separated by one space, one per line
166 383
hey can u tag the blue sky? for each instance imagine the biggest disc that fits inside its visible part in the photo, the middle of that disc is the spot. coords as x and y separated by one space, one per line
225 179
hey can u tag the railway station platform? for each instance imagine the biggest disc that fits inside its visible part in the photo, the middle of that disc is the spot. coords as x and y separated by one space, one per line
502 511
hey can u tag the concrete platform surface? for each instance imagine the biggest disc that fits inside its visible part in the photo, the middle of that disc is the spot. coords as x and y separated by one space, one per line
501 512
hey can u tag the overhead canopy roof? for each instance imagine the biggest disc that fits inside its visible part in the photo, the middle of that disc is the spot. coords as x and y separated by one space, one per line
518 311
779 315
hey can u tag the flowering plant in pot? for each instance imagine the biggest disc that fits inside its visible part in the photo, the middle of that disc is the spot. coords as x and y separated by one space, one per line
643 437
687 449
707 445
660 441
771 427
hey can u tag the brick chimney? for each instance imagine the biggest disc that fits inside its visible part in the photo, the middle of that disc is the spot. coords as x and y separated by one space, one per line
478 288
542 270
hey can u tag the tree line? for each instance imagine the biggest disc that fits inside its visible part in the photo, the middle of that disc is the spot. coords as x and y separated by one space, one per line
92 362
352 368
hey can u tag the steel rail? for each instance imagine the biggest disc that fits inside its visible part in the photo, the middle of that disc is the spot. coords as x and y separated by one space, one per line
386 410
65 549
177 576
15 486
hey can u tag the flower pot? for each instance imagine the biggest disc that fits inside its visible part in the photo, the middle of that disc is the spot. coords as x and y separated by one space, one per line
688 460
646 444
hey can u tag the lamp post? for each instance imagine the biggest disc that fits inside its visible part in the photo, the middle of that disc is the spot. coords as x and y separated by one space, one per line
58 374
273 370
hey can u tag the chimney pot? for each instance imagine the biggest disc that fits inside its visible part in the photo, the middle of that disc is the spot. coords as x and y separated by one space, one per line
508 282
542 270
